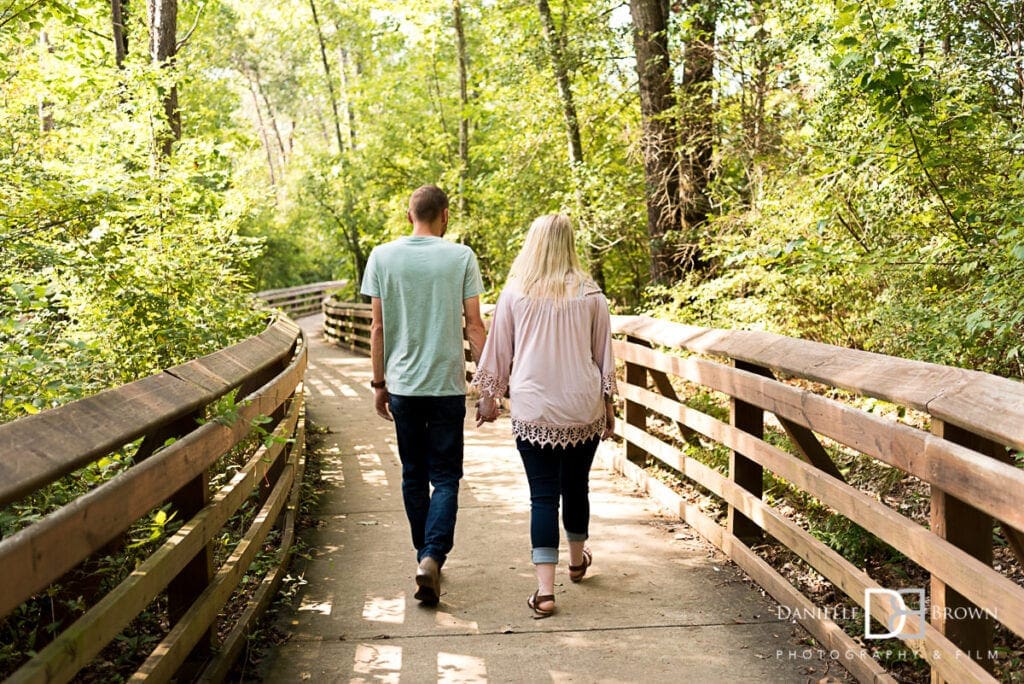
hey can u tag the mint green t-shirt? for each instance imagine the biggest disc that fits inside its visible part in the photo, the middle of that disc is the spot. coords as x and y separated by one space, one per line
422 282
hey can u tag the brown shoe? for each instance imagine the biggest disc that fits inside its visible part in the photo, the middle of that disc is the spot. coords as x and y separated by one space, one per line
577 572
428 582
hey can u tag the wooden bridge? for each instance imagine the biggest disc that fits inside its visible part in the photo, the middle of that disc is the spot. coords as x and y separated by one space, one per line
245 404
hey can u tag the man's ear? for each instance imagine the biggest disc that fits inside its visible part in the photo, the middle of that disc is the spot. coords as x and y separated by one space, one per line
408 215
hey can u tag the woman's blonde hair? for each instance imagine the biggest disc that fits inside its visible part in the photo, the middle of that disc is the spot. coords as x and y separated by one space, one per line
547 266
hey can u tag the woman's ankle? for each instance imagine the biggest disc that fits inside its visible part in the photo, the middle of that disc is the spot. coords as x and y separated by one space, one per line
576 553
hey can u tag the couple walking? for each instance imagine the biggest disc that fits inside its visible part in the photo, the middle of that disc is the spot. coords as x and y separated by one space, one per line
549 348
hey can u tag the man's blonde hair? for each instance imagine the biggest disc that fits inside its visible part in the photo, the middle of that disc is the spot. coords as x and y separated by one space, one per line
547 266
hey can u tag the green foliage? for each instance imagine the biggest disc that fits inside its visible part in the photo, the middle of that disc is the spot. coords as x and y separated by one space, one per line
851 540
868 186
114 263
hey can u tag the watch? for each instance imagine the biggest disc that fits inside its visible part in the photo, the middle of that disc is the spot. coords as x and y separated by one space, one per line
378 385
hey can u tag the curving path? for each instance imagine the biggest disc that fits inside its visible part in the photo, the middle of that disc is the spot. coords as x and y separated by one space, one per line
659 604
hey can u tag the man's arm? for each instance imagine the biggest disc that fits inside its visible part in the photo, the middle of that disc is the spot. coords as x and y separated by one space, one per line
380 394
475 330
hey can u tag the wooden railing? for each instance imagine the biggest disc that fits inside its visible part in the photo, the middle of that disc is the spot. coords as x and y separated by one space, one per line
347 324
302 300
176 425
976 422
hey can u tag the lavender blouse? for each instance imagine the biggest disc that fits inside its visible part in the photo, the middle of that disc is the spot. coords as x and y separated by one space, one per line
555 358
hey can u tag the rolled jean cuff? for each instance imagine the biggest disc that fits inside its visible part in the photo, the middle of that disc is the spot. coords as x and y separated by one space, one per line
545 554
576 536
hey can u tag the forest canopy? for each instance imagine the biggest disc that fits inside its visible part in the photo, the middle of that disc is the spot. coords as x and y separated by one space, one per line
849 172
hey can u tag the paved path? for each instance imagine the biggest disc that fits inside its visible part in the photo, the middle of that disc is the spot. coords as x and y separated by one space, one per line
659 604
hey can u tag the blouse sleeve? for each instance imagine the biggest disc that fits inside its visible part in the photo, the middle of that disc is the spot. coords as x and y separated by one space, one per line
601 344
492 373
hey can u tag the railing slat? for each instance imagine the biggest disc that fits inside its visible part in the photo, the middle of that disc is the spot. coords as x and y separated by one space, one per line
987 405
973 579
991 485
944 655
826 631
172 651
88 635
219 665
38 449
35 556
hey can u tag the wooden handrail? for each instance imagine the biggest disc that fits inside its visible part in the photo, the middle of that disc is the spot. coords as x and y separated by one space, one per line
301 300
976 420
970 466
36 450
171 464
984 404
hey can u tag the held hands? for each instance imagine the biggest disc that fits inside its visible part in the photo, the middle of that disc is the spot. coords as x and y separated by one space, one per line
487 410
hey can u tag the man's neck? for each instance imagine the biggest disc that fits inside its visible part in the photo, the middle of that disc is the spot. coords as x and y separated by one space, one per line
426 230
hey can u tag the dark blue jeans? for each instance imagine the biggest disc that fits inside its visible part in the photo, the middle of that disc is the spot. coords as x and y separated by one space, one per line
429 431
553 473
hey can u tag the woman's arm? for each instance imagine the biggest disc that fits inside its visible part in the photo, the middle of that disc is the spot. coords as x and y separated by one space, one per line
495 364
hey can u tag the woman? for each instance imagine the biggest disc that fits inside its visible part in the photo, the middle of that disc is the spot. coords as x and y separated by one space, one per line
550 347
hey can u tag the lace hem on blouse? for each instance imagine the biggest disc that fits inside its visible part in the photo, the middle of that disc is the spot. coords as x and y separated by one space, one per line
556 435
489 384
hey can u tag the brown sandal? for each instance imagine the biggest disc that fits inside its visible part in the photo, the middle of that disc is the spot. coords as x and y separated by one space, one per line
534 602
577 572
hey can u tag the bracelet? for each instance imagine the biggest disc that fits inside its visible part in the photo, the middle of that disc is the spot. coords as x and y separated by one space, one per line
378 385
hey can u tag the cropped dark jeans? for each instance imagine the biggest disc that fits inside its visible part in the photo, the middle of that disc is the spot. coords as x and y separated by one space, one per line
430 443
557 473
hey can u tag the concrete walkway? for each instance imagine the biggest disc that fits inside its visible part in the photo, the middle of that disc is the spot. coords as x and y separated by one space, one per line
658 605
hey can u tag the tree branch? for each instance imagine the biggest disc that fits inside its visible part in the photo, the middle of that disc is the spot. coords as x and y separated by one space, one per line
199 13
6 20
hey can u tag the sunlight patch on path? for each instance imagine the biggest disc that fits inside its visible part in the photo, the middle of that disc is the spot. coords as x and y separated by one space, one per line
382 663
454 667
371 470
443 619
382 609
311 605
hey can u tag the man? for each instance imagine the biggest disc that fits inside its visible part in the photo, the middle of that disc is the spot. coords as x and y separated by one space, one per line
421 286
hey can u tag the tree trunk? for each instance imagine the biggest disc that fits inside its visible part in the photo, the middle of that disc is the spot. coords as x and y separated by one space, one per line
460 38
263 131
270 113
117 16
696 136
660 135
572 125
163 45
347 94
327 76
45 106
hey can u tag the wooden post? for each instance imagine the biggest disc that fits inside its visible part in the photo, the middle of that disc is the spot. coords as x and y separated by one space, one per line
742 470
197 573
276 416
183 590
636 414
967 528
